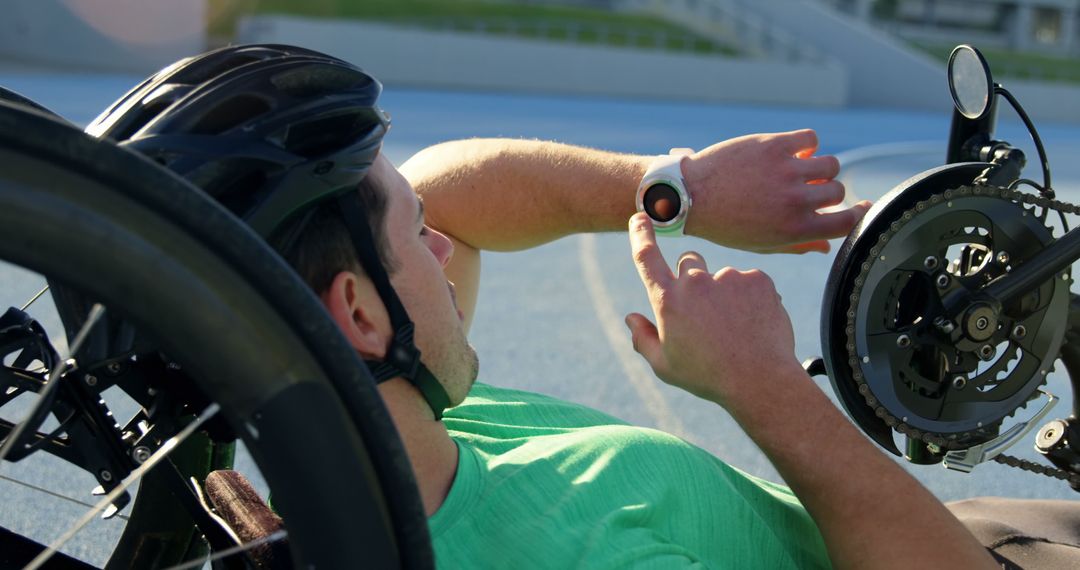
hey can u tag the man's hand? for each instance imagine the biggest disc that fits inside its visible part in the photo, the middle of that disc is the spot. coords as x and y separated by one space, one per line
717 335
727 338
762 192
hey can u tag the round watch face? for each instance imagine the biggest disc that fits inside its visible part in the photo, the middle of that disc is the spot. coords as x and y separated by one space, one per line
662 202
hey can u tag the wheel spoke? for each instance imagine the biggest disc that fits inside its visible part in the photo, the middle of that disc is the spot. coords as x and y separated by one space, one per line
50 385
34 298
52 493
130 480
272 537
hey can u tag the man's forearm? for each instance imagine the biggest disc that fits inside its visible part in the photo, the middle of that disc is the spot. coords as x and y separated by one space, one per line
500 194
871 513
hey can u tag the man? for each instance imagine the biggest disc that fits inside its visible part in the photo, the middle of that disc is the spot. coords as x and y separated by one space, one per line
516 479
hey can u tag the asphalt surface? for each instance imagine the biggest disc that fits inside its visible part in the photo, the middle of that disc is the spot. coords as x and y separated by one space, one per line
550 319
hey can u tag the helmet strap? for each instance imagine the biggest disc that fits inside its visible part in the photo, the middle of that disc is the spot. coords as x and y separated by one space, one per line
402 356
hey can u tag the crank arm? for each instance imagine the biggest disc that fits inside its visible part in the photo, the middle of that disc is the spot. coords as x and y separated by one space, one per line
1044 265
966 460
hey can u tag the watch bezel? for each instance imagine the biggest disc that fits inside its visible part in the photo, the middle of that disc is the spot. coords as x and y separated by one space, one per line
666 170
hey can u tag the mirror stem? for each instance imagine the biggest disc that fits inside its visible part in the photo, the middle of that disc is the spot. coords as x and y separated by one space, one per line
967 135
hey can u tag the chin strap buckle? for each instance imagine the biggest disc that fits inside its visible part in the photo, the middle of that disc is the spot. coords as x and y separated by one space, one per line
403 359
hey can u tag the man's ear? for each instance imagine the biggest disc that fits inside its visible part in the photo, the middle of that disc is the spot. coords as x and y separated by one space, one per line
358 311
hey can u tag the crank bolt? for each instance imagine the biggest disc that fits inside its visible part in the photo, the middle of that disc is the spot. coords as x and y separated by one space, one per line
930 262
1003 257
113 368
981 323
987 352
903 341
959 382
1019 332
141 454
106 475
91 380
942 281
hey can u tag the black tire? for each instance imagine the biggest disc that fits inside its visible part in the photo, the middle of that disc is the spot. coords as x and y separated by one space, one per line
15 98
160 254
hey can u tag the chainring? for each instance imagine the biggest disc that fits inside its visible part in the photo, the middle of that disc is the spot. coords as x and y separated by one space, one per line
906 294
927 376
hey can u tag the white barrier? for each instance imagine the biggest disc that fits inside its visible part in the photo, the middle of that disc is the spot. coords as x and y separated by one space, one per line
885 72
422 58
1044 101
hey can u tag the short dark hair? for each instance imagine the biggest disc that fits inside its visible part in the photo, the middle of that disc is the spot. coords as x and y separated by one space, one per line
318 245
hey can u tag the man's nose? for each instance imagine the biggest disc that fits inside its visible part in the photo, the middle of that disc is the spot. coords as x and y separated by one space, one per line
442 247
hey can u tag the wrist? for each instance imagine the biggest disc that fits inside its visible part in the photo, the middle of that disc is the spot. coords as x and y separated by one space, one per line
785 388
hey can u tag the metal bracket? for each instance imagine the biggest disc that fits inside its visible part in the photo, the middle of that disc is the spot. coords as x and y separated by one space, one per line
966 460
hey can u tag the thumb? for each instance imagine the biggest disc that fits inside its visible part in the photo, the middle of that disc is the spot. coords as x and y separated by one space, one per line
646 340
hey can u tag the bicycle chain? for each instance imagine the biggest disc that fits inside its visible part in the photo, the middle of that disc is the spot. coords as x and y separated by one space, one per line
1038 468
951 441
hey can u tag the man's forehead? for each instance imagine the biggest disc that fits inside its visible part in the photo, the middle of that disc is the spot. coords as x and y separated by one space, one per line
399 192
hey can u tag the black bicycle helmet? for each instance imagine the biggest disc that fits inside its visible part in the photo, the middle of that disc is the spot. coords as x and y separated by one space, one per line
270 131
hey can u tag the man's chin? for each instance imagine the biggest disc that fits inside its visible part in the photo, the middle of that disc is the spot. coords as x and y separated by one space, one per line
474 365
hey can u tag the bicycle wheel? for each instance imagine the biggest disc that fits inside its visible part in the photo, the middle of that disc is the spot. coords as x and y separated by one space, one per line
238 329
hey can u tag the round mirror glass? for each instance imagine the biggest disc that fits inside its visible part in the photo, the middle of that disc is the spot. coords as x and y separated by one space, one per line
970 82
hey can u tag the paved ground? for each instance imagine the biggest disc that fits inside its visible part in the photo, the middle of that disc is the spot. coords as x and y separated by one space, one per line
550 320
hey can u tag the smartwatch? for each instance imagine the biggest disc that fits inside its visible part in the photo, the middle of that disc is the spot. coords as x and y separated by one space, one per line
662 194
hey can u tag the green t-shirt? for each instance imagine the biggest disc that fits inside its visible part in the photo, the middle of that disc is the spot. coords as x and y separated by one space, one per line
543 483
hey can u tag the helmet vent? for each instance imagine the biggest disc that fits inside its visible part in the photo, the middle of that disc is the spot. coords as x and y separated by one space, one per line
240 192
230 113
146 114
321 136
310 81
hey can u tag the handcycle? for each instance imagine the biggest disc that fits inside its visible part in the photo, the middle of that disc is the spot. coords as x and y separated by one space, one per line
177 379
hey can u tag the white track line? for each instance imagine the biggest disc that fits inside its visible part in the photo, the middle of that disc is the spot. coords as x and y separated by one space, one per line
618 336
850 158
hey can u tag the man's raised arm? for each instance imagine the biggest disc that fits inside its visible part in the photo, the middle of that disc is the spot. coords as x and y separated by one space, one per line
758 192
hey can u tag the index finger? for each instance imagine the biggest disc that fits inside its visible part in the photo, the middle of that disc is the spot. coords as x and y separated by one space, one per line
652 267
